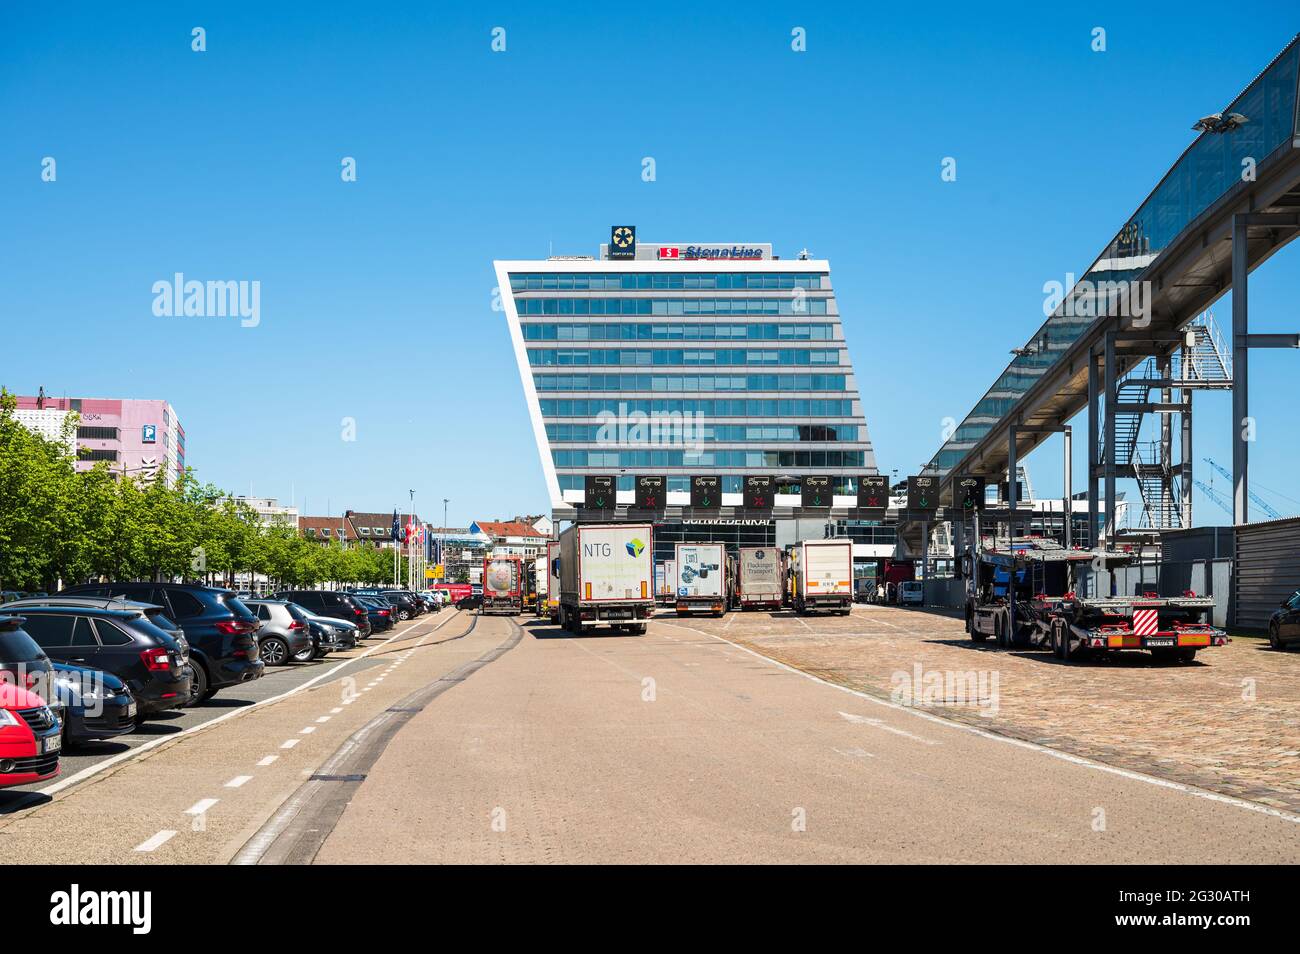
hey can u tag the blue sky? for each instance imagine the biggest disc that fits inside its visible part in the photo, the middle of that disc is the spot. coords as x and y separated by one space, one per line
376 295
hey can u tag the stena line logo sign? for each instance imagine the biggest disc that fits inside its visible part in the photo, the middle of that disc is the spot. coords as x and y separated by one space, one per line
697 252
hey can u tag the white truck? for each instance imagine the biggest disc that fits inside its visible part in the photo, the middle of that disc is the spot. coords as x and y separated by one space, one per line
607 576
541 577
702 585
821 574
552 581
760 577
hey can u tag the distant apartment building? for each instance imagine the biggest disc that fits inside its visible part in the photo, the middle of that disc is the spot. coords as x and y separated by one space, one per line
141 438
511 538
271 512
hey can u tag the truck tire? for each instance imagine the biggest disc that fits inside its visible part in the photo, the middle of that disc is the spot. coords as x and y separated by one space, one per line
637 629
1060 642
1003 624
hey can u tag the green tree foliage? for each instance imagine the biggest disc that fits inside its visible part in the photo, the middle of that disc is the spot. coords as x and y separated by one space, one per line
61 525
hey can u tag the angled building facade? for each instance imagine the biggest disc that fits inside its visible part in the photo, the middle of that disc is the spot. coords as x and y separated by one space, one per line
683 359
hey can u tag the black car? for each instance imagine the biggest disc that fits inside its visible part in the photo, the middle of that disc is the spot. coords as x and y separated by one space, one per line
122 642
330 603
96 705
219 628
380 612
471 602
406 603
1284 624
22 661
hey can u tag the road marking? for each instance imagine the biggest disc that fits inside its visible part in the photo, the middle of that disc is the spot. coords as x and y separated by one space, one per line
336 710
268 760
877 723
854 753
323 719
155 842
1018 743
289 743
201 806
307 730
137 751
239 781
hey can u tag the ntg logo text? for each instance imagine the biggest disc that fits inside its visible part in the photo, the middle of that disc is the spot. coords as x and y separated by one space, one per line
76 907
194 299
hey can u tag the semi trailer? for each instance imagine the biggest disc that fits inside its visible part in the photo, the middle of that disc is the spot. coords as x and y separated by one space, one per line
553 581
702 580
607 577
503 585
759 580
821 574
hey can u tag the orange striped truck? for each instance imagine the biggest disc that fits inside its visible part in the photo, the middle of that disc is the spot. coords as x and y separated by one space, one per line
821 575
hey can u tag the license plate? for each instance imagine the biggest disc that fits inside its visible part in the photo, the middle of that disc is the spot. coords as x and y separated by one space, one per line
130 710
1160 641
53 744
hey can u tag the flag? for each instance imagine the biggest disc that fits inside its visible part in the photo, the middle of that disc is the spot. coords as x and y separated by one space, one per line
397 527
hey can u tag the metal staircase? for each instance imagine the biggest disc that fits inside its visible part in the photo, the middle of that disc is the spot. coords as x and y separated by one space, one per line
1204 364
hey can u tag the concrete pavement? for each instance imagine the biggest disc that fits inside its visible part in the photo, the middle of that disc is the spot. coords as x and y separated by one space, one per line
677 746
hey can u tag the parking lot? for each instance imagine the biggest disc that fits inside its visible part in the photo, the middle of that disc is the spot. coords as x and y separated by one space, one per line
1229 722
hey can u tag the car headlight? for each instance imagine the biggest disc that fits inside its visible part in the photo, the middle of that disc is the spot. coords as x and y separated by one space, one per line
7 718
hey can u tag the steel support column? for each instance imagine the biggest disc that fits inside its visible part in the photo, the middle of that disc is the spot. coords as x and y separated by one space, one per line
1068 488
1240 378
1111 375
1094 446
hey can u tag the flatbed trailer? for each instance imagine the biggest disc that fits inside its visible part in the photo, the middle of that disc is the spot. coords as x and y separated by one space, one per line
1022 595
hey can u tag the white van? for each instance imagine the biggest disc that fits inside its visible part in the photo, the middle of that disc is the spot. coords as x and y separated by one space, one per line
911 593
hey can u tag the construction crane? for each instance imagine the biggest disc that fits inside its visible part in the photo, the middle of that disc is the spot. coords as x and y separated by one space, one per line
1214 496
1255 498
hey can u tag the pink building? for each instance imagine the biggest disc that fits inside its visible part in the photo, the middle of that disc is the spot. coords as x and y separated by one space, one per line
137 437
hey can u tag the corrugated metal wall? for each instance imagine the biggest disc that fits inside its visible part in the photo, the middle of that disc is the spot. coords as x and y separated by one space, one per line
1267 570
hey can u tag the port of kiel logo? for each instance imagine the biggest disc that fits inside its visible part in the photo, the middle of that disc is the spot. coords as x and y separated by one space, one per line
622 241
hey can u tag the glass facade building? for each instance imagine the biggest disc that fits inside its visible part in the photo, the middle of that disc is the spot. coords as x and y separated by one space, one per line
684 360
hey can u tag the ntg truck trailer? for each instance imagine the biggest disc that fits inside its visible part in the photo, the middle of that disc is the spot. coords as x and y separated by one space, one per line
607 576
702 584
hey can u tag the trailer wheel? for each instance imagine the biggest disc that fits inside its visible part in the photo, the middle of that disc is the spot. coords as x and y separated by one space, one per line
1003 625
1059 641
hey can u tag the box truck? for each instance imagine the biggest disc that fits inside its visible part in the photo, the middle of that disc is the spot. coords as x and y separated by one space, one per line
821 574
702 584
607 576
759 581
503 585
553 581
666 588
541 578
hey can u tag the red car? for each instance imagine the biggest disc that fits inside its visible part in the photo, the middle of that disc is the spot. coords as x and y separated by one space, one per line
30 737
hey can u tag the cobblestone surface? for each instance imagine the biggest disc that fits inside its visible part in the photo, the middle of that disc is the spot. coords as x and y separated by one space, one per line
1228 722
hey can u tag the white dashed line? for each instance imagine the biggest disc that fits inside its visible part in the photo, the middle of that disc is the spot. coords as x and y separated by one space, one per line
239 781
323 719
201 806
289 743
268 760
156 841
880 724
307 730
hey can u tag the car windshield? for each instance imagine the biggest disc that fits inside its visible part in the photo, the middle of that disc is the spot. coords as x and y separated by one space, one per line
17 647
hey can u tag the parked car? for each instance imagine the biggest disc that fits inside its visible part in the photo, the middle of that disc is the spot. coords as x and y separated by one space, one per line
282 636
406 605
119 641
218 626
30 733
152 611
911 593
471 602
330 603
96 704
329 630
22 662
1284 624
379 611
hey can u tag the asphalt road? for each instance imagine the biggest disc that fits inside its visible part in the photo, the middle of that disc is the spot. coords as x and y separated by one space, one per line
473 739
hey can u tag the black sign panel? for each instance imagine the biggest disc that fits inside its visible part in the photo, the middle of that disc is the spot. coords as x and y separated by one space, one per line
816 493
758 493
922 493
967 493
706 493
651 493
599 493
873 494
622 241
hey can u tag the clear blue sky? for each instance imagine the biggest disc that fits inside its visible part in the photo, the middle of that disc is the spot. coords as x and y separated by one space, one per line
376 295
